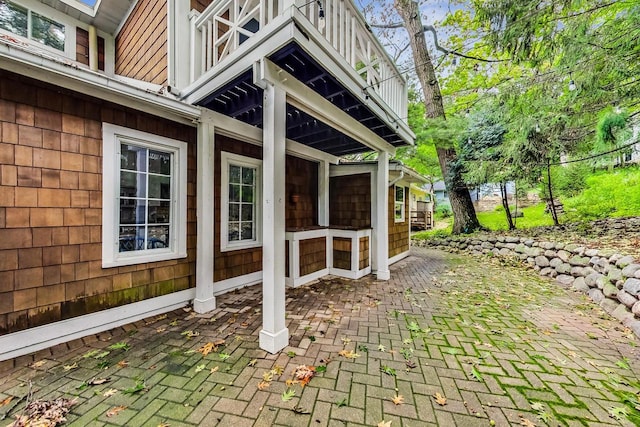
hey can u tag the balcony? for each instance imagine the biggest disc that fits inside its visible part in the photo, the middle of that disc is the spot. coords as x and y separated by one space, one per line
329 48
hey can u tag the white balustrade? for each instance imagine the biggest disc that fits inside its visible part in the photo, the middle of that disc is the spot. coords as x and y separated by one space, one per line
223 26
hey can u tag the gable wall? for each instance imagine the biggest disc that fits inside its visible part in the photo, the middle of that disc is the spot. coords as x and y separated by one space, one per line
141 45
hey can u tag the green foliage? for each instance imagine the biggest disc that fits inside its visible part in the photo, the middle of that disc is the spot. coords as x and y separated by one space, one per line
607 194
608 124
570 180
442 211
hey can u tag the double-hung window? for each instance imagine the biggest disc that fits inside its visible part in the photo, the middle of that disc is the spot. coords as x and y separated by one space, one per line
399 204
240 225
26 23
144 197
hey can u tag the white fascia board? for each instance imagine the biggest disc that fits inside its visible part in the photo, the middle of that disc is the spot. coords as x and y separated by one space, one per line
300 96
40 337
409 175
351 169
67 75
308 38
242 131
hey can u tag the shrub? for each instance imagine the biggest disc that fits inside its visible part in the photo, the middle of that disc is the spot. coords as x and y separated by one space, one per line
443 211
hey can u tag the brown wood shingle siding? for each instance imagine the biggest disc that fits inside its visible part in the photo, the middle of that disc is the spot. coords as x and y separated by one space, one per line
363 257
398 231
141 45
200 5
82 48
230 264
301 193
350 201
313 255
342 253
51 207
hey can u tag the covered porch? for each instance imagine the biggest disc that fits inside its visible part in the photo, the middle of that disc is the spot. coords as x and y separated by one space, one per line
286 91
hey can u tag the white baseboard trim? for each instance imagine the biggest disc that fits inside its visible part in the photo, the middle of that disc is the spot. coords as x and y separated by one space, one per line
303 280
41 337
227 285
398 257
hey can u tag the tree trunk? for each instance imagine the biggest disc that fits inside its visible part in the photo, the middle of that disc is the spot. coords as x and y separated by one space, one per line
552 204
505 204
464 214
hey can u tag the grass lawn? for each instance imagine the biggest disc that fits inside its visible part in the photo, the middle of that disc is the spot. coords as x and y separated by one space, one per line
534 216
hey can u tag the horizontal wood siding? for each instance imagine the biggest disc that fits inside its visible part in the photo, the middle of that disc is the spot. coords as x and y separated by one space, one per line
364 253
350 201
51 207
230 264
301 193
398 231
342 253
141 45
313 255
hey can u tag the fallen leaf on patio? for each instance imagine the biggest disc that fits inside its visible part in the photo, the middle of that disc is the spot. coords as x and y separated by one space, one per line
140 386
99 381
110 392
387 370
123 363
115 410
299 410
291 382
397 400
200 368
252 362
190 334
45 412
174 323
527 423
6 401
277 370
348 354
267 376
224 356
384 424
382 348
618 413
38 364
207 348
161 329
321 368
345 340
164 425
70 367
304 373
410 364
263 384
214 369
288 395
440 399
101 355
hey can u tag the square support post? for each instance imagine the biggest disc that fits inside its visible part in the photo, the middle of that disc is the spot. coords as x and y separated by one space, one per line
381 231
205 301
274 335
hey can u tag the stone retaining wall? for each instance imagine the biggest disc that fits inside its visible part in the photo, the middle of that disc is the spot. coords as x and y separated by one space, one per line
610 279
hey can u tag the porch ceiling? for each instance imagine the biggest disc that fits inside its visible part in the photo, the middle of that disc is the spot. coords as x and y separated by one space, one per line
242 100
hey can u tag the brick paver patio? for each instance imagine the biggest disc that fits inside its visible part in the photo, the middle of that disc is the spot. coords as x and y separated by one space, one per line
501 346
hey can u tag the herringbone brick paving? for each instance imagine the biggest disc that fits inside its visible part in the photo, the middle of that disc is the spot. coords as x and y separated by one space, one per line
500 345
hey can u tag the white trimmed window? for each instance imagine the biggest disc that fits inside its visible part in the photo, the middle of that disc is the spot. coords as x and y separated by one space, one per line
240 208
399 204
24 22
144 197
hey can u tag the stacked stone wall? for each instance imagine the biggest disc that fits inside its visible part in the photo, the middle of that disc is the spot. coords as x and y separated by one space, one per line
610 279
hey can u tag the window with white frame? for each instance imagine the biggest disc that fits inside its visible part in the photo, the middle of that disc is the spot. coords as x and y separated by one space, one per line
240 214
26 23
399 204
144 197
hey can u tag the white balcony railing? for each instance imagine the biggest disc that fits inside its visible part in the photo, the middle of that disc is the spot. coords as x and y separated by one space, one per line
221 28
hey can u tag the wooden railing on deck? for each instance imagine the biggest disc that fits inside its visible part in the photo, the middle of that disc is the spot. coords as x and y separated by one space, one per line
223 26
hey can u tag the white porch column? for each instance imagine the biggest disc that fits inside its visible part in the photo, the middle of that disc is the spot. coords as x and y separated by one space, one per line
381 231
323 193
274 336
205 301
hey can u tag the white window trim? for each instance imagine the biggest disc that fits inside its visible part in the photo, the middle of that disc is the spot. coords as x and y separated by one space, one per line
112 136
395 203
225 160
55 15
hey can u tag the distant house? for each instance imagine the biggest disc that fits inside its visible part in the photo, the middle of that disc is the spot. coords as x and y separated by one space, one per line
439 191
421 206
159 153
